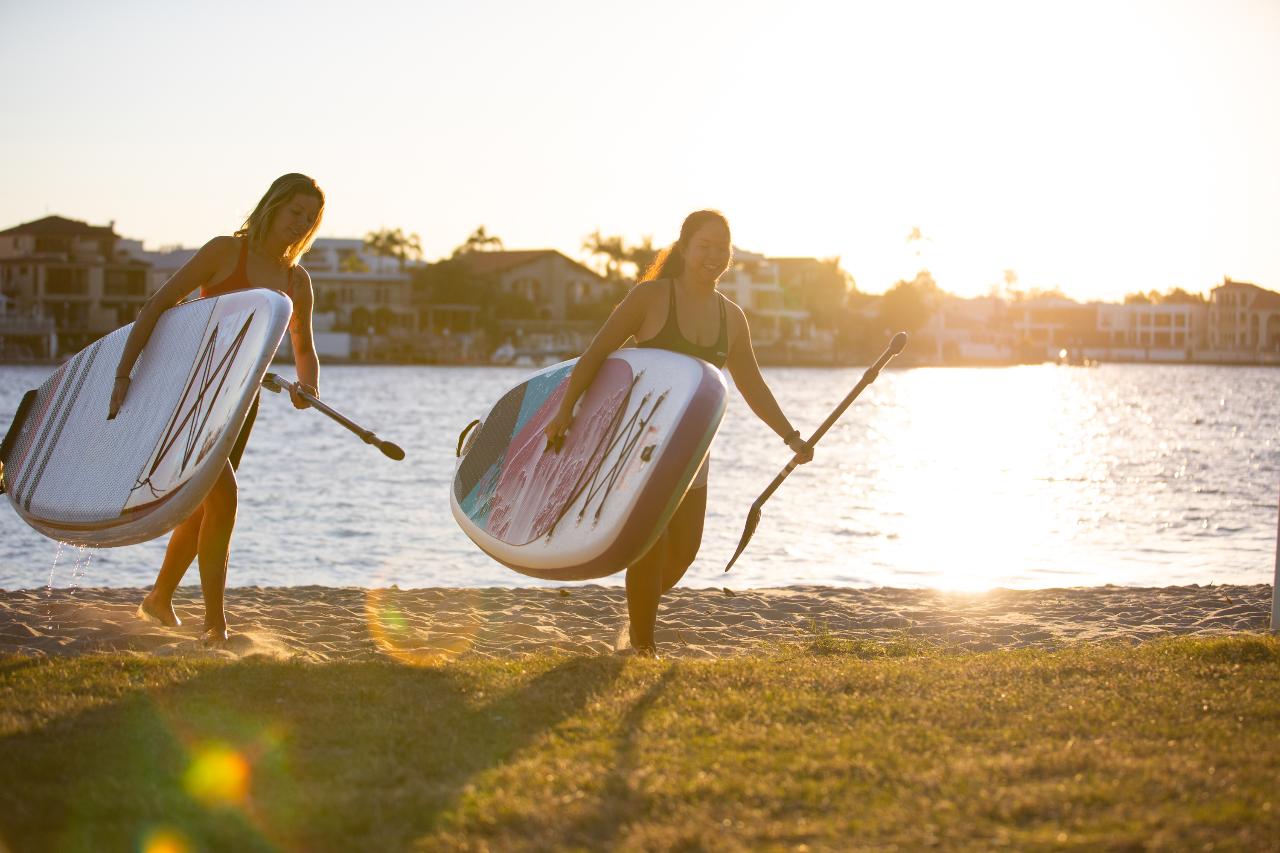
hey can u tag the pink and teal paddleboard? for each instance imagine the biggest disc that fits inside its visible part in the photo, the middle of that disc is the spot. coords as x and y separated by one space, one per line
639 435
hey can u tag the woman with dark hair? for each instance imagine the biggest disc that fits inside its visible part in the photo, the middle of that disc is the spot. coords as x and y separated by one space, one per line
676 307
263 253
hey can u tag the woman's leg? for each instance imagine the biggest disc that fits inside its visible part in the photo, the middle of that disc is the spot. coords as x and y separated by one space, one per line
663 565
212 549
685 530
184 543
158 605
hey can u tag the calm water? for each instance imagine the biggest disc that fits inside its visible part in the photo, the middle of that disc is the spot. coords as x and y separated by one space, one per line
965 479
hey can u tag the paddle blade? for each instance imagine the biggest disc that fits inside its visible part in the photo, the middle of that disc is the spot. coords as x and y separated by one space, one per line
898 344
753 519
391 451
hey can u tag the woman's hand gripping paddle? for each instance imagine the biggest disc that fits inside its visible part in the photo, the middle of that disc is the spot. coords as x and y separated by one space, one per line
276 384
896 346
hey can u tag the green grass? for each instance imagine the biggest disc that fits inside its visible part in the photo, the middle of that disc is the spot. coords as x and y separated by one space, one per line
834 744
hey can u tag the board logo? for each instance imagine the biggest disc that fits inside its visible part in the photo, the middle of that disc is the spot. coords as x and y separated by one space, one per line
180 444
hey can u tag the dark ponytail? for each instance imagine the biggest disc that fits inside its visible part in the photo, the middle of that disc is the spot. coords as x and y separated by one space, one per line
670 261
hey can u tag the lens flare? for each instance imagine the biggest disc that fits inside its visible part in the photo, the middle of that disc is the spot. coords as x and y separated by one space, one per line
408 626
217 776
164 840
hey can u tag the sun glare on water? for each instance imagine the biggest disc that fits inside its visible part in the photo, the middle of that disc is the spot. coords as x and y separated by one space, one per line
970 514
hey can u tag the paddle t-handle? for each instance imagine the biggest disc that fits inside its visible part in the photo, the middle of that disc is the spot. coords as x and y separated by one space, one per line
277 384
897 345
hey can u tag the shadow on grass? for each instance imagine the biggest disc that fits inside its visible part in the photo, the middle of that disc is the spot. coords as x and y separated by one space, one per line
266 755
619 803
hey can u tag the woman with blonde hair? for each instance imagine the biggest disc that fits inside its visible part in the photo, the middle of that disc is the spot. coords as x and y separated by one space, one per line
676 307
263 253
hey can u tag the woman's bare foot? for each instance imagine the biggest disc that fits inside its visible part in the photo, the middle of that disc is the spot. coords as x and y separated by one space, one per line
214 636
158 614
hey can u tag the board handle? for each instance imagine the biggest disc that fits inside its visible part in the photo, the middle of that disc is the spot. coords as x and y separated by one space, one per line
15 429
19 418
462 438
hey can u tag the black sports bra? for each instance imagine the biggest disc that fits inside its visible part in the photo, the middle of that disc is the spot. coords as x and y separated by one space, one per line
670 338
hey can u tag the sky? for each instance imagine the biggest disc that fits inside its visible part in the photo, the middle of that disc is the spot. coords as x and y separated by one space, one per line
1095 147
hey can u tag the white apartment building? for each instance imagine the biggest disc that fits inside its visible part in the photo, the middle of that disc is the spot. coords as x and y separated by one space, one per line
753 282
367 293
1177 326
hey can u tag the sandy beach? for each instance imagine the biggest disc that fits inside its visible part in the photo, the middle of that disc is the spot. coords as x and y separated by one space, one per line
427 625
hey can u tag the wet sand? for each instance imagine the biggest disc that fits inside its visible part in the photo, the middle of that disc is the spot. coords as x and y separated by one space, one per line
425 625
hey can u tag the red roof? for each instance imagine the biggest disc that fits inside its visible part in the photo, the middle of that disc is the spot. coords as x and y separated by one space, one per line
484 263
490 263
1267 300
60 226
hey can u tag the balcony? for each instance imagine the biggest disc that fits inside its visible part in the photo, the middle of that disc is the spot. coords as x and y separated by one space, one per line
11 324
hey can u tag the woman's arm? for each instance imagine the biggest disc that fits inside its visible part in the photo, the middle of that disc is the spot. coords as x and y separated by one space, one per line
301 335
195 273
746 375
622 324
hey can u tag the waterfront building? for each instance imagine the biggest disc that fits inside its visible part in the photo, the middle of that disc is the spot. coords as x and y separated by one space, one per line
347 297
1044 325
754 282
967 331
557 287
67 272
25 336
819 289
1168 331
162 263
1244 319
538 304
367 293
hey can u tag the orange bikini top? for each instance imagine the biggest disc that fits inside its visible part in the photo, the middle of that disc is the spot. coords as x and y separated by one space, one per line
239 279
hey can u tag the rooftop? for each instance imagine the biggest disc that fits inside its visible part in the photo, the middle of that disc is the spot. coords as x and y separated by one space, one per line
489 263
60 226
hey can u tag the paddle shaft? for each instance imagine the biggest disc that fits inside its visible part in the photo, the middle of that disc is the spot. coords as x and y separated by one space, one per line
867 378
753 516
367 436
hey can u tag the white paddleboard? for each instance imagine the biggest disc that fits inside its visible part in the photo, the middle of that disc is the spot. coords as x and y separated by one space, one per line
639 435
77 477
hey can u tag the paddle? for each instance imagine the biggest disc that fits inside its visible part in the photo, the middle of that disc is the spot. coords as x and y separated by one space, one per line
276 384
896 346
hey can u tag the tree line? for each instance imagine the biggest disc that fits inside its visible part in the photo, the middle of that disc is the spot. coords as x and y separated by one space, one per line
825 290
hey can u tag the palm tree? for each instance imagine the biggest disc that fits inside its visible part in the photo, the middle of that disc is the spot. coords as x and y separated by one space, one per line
379 242
613 250
392 243
916 241
411 249
479 241
618 255
642 255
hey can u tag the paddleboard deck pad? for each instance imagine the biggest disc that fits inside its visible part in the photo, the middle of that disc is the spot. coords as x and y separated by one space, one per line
77 477
595 505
